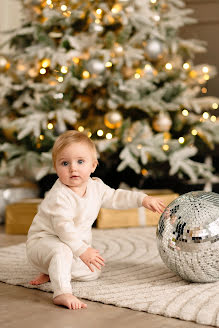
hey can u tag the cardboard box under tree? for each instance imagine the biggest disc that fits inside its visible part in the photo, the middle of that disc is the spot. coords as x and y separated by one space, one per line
109 218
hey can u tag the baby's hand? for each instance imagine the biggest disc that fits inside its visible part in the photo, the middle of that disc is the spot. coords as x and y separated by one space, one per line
92 256
153 204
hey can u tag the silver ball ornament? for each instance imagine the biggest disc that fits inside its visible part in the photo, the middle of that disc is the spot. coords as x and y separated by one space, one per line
95 66
154 49
188 236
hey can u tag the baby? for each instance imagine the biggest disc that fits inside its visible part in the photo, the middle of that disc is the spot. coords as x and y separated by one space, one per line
59 241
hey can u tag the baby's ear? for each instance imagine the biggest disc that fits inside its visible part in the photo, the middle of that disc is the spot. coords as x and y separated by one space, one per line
95 163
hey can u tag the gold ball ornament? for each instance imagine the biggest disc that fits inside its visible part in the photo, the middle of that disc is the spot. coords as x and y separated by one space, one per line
162 122
4 64
113 120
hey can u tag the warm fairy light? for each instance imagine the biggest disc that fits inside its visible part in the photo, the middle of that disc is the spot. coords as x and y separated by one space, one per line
100 133
76 60
137 76
109 136
80 128
213 118
193 74
144 172
41 137
205 69
156 18
97 21
194 132
186 66
204 90
45 63
99 11
89 134
50 126
129 139
108 64
67 13
139 146
206 77
116 8
63 7
181 140
185 112
153 1
49 2
166 136
60 79
64 69
215 106
166 147
168 66
86 74
205 115
42 71
148 68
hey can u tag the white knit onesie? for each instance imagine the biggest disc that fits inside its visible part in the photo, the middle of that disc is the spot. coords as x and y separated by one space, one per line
61 230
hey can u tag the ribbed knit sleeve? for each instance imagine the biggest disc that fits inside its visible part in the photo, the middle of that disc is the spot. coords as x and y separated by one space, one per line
120 198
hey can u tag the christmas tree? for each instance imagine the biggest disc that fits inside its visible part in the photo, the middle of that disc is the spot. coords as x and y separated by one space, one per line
117 70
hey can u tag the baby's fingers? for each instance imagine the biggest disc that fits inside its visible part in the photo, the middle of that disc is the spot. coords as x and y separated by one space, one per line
100 261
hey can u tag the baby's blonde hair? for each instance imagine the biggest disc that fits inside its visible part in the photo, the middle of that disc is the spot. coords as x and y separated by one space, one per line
68 138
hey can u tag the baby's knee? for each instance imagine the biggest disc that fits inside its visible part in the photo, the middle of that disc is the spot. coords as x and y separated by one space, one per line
86 275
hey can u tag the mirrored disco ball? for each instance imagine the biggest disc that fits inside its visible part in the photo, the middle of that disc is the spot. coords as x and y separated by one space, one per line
188 236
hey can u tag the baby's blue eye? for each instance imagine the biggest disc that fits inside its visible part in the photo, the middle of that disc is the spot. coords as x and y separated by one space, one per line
64 163
80 161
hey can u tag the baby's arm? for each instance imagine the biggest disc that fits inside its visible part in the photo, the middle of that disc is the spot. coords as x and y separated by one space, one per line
154 204
92 256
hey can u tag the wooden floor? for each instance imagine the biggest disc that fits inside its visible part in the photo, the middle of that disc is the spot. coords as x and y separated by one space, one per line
23 308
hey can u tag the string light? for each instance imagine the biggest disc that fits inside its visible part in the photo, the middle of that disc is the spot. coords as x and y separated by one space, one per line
168 66
215 106
205 69
194 132
185 112
116 8
213 118
60 79
181 140
193 74
41 137
139 146
144 172
205 115
204 90
186 66
99 11
76 60
64 69
49 2
45 63
153 1
50 126
42 71
108 64
129 139
86 74
166 147
206 77
80 128
137 76
109 136
89 134
100 133
63 7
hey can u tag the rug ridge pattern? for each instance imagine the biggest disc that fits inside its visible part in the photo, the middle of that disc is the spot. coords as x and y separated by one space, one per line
134 277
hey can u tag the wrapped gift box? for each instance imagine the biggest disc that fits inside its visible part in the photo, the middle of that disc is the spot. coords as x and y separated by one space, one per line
109 218
19 216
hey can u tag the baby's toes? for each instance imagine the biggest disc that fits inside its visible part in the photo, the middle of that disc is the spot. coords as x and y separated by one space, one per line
83 305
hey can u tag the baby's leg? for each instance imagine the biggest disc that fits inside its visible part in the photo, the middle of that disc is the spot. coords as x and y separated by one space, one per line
54 258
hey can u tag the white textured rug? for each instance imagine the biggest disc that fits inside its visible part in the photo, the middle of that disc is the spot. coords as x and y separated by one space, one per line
134 277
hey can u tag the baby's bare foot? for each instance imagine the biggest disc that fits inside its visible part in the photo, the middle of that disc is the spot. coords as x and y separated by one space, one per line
70 301
40 279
